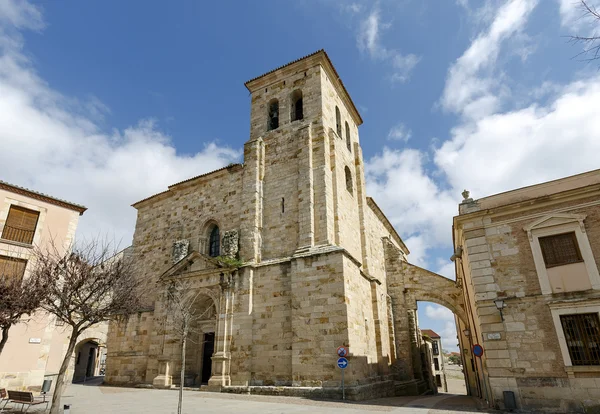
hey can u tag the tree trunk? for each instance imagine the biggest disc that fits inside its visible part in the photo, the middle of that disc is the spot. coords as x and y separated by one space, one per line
4 338
60 380
183 340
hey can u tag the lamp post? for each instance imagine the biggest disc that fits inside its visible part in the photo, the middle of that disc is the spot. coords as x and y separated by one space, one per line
500 305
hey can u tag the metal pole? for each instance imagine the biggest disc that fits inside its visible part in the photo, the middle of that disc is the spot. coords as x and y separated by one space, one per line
487 399
343 390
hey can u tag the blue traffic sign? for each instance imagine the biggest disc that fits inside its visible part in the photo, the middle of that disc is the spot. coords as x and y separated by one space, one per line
342 363
477 350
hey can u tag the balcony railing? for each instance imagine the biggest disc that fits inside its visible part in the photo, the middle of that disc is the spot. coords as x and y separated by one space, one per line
18 235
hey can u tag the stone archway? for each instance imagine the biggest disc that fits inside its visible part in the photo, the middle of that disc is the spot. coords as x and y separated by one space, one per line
88 359
407 284
422 285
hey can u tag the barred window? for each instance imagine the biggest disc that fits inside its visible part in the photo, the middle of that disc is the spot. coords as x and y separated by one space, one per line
20 224
12 268
582 333
560 249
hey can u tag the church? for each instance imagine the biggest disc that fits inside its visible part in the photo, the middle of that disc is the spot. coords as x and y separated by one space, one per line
317 263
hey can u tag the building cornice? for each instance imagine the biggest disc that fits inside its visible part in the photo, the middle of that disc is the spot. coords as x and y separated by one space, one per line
42 197
533 204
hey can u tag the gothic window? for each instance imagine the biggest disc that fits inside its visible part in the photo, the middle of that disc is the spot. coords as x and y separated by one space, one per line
214 242
348 143
348 179
338 122
273 122
297 109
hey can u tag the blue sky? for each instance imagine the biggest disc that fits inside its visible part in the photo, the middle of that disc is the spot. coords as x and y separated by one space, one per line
106 102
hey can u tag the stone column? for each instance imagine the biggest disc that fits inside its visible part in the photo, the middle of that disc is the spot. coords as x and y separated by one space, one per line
221 359
252 196
415 343
306 228
164 379
361 197
322 189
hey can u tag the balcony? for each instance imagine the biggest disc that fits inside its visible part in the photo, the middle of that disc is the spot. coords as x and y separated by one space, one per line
18 235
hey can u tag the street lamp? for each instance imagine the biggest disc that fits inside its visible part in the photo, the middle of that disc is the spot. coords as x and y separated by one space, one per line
467 332
500 305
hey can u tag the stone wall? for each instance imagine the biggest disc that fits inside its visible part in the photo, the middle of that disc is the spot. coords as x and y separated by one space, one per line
522 352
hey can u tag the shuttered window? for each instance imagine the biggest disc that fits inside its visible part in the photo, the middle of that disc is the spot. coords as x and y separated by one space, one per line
12 268
582 333
560 249
20 225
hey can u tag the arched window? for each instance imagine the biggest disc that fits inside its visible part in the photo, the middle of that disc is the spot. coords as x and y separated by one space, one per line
348 143
348 180
273 122
338 122
214 242
297 109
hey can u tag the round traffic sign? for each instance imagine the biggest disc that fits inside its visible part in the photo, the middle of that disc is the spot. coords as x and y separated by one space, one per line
342 363
342 351
477 350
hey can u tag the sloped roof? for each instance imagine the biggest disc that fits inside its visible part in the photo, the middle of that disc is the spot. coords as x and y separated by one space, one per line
430 333
42 197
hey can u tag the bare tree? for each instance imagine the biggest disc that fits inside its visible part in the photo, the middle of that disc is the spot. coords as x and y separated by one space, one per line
591 43
87 285
18 298
185 309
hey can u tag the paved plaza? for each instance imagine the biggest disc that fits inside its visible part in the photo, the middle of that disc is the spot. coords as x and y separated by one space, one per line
103 399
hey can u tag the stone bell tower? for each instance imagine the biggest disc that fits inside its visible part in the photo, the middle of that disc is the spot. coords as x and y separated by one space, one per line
304 183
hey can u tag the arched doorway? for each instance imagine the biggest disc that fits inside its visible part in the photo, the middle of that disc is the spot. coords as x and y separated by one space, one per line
201 342
90 358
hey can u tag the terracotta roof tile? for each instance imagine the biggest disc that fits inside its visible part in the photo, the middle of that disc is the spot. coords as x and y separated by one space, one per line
42 197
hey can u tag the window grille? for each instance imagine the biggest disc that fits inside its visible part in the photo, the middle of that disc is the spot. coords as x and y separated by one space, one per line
560 249
12 268
20 225
214 242
338 122
582 333
435 348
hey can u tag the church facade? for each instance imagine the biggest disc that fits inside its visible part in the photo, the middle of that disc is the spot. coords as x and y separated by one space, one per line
319 265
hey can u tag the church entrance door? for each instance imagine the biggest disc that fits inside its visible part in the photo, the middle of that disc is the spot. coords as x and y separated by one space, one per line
209 347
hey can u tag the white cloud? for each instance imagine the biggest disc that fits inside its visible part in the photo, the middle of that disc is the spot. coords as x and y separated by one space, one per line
441 315
400 132
437 312
21 14
574 16
368 41
51 143
412 200
473 87
531 145
446 268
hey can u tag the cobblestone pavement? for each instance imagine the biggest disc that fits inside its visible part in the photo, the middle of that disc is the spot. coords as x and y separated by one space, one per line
101 399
